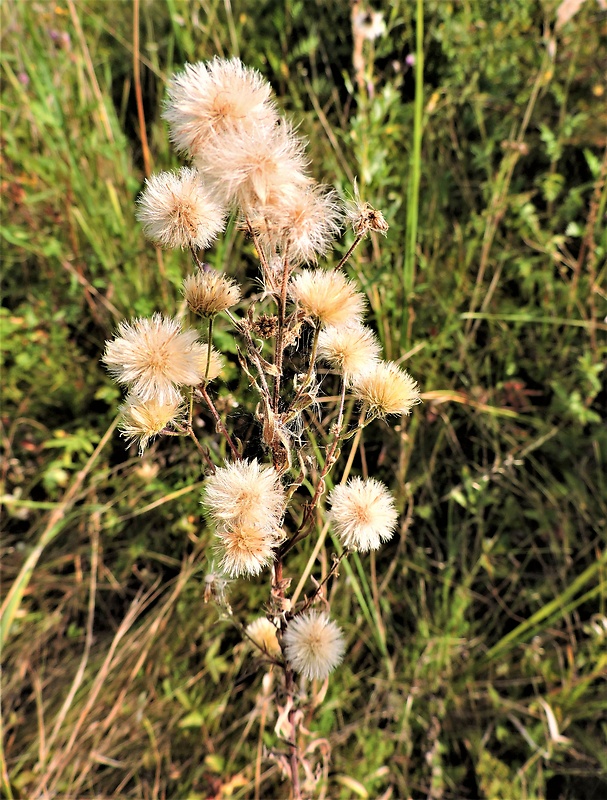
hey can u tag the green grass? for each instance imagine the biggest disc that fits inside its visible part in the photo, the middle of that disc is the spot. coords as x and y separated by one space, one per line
476 642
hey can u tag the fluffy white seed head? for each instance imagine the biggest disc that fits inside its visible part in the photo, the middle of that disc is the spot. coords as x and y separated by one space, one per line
153 356
244 549
176 210
302 223
245 493
351 349
328 296
363 514
314 645
264 634
207 293
212 99
248 168
386 389
141 421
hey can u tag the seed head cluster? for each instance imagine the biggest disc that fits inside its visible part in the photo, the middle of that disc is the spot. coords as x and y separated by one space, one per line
246 503
155 356
352 349
247 163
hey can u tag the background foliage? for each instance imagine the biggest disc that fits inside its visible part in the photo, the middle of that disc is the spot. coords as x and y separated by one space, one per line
477 639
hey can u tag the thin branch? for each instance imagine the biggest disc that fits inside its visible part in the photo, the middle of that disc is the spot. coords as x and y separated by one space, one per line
218 421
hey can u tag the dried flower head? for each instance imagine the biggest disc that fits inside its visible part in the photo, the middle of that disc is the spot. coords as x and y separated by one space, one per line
386 389
244 549
352 349
314 645
328 296
247 169
176 210
369 24
265 326
215 587
141 421
363 514
245 493
207 293
263 633
208 100
363 217
153 356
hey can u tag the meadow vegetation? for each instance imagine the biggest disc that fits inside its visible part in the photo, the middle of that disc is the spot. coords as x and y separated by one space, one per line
476 638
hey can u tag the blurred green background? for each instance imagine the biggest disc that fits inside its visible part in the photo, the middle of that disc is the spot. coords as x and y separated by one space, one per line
477 640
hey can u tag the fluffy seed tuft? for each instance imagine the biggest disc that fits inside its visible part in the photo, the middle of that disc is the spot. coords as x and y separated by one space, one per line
208 293
142 421
176 210
264 634
208 100
387 389
314 645
352 349
328 296
363 514
153 356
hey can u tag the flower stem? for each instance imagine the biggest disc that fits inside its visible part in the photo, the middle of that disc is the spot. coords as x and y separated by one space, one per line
218 422
351 249
209 349
282 310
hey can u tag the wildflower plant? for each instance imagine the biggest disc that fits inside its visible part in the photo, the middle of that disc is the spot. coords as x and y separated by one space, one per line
247 162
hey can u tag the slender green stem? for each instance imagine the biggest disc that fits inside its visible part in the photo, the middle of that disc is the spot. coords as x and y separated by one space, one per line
415 172
209 349
333 571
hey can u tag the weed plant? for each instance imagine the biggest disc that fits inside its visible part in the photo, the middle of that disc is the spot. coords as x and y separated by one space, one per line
476 637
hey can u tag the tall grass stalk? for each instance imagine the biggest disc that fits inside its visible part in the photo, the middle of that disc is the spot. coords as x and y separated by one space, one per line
410 260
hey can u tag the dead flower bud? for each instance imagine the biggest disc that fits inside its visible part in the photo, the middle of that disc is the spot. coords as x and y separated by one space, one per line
363 217
265 326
